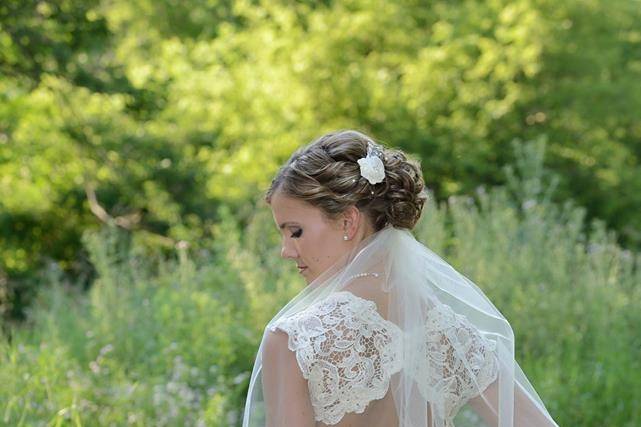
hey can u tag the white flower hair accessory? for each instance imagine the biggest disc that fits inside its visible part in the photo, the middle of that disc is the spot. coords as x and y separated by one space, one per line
372 168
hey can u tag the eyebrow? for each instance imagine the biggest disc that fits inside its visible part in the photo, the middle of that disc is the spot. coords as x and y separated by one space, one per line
284 224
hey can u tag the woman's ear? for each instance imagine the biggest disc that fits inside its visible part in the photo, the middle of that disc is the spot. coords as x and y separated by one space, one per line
351 220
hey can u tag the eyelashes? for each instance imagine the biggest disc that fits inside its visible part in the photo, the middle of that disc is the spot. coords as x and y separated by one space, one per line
297 233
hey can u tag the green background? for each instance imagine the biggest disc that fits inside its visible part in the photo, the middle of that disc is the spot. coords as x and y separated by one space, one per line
138 263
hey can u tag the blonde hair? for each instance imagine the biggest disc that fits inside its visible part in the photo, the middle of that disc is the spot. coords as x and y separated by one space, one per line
326 174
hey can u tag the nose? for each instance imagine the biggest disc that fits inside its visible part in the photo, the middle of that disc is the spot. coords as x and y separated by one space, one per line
288 251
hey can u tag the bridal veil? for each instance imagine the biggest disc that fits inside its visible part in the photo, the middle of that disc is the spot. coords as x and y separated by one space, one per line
392 335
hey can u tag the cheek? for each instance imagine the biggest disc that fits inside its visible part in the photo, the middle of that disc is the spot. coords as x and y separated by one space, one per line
325 255
315 253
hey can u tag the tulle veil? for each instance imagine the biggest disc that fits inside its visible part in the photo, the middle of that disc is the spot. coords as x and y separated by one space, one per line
410 283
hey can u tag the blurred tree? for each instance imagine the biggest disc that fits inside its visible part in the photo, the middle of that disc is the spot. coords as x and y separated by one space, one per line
152 115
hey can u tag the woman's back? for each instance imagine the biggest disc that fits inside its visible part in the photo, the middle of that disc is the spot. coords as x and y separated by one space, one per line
386 333
351 356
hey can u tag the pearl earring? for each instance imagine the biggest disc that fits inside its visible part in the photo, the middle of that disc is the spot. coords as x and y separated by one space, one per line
345 237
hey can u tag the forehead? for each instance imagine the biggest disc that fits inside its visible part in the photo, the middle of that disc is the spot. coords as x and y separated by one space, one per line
289 209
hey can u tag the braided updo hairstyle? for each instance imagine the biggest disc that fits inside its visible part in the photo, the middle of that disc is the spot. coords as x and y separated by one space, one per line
326 174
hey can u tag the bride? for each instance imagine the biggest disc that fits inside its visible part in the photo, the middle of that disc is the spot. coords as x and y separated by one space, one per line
386 333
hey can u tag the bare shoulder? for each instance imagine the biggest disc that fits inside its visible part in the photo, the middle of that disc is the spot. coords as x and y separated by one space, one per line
278 357
275 345
284 387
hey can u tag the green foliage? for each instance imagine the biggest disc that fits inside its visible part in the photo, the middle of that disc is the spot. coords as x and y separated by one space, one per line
171 341
151 128
571 297
50 38
146 346
157 116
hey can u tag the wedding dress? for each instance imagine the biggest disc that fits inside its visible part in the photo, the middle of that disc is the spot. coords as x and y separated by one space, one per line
391 335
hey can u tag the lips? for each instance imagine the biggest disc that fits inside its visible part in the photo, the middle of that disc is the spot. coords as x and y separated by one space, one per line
301 268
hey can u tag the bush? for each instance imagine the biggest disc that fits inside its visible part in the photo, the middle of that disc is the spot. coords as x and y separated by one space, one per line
172 341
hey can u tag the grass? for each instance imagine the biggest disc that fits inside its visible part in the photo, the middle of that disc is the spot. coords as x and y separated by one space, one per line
171 342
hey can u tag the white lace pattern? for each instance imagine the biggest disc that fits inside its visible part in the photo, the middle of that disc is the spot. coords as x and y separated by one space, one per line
453 349
348 352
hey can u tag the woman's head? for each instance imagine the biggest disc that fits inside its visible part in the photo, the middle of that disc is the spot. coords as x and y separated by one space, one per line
321 197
